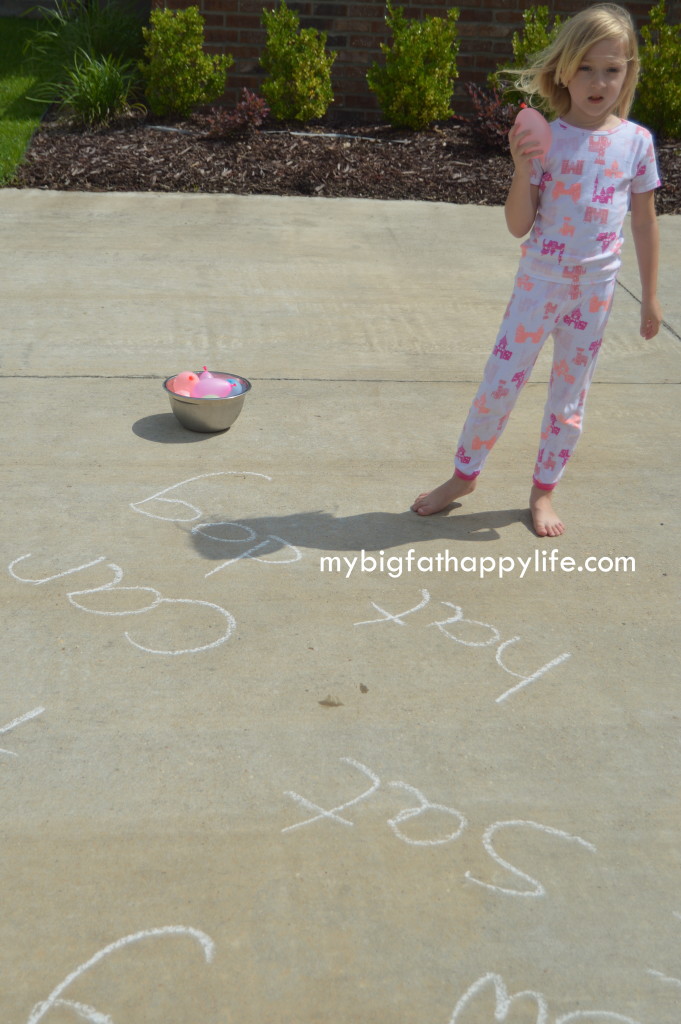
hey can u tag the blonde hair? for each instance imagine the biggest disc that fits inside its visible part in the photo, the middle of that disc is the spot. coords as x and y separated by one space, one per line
553 67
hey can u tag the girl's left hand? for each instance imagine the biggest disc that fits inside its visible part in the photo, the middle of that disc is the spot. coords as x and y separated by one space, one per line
651 318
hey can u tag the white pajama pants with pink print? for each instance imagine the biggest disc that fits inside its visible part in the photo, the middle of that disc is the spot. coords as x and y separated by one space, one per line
576 317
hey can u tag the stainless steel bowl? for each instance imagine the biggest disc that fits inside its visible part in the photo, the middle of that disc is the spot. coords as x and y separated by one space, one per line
208 415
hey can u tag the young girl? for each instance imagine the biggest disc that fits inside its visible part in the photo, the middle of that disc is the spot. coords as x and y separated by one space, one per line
574 199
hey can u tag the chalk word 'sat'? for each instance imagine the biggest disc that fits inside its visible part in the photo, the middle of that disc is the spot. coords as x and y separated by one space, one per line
424 805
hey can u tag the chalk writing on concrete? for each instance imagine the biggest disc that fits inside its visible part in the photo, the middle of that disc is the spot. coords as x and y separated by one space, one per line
87 1012
19 721
154 601
504 1002
179 510
183 511
333 814
407 813
534 889
399 617
55 576
203 528
537 889
493 637
665 977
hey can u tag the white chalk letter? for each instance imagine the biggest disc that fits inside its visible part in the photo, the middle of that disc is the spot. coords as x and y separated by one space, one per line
537 888
502 998
194 512
496 636
205 941
413 812
524 680
387 617
333 814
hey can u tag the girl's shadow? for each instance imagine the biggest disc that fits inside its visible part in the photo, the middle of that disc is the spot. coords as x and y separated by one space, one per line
220 538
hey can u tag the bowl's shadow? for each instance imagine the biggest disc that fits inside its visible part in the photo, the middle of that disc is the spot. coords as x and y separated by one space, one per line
164 428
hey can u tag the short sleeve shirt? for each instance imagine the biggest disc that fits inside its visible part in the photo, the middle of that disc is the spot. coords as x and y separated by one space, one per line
585 180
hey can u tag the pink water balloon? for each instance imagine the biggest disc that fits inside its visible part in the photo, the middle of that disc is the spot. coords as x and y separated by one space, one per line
211 387
531 120
183 382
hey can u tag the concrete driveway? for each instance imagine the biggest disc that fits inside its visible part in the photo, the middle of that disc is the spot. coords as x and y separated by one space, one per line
275 750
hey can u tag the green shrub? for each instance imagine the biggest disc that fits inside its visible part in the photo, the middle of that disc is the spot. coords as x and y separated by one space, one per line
96 89
536 36
658 98
415 84
100 28
298 67
178 75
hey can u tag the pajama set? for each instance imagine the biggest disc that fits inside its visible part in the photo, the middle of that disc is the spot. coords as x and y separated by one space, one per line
564 287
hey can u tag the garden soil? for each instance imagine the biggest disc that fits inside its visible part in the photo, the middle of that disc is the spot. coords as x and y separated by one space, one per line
450 163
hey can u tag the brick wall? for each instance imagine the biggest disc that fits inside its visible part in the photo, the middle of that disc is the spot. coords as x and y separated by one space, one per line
355 28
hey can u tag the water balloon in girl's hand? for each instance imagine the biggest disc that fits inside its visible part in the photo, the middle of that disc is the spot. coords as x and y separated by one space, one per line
531 120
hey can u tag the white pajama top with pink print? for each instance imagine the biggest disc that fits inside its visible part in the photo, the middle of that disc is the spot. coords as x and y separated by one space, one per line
588 176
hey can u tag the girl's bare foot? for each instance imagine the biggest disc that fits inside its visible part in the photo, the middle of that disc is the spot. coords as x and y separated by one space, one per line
434 501
546 522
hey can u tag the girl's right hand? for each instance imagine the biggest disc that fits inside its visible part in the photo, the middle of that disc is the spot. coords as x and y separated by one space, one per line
524 149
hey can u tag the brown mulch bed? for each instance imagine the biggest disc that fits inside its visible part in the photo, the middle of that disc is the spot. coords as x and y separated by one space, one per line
445 164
